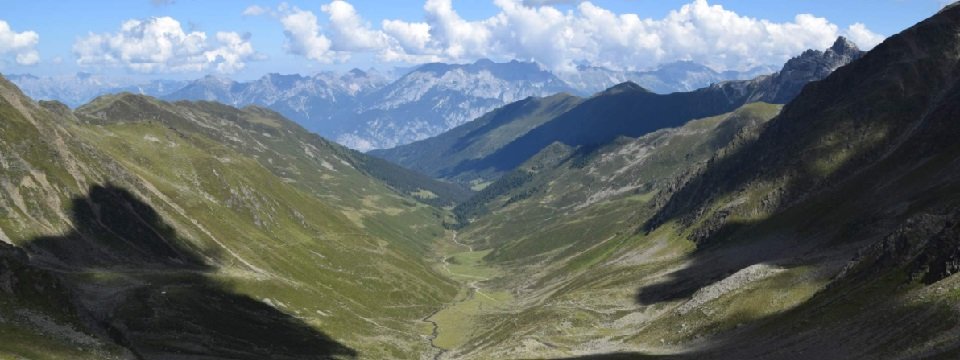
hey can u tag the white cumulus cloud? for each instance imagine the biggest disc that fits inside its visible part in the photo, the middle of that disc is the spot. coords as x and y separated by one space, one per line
863 37
161 45
348 31
20 45
536 30
304 37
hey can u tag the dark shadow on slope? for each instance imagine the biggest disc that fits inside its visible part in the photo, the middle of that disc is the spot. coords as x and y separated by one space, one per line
134 278
624 110
498 118
114 229
877 118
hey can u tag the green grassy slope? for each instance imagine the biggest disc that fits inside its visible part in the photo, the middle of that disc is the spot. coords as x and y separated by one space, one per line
599 190
560 233
228 237
826 228
279 144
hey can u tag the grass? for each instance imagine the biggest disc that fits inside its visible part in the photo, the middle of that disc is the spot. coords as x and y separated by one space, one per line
272 212
23 342
459 322
469 266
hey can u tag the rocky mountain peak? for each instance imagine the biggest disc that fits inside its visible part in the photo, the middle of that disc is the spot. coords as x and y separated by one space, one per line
821 63
844 46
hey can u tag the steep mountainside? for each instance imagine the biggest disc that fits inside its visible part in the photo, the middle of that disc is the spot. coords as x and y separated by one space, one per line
139 228
281 145
623 110
828 231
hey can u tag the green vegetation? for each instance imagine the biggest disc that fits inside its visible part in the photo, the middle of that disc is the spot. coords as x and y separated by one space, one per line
133 227
458 323
282 224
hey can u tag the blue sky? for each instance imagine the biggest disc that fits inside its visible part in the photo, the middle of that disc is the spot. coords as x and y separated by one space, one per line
279 37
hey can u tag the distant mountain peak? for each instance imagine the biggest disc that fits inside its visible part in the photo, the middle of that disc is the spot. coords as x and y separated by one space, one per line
821 63
844 46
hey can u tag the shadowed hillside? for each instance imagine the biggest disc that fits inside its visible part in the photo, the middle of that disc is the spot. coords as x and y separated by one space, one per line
144 292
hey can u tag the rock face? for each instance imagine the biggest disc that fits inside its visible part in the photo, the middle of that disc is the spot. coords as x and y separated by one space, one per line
437 97
926 246
812 64
784 85
316 102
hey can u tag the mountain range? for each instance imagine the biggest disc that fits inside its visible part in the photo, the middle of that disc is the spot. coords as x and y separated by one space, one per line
369 110
482 150
812 213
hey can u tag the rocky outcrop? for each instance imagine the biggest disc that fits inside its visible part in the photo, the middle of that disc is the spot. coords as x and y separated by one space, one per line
786 84
926 247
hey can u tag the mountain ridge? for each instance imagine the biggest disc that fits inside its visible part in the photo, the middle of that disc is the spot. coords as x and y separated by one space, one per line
332 104
629 110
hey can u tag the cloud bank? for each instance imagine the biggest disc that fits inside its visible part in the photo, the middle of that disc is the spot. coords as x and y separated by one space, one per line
535 30
160 45
20 45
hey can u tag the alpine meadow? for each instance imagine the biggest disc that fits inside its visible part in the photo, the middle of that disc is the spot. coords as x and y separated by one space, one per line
502 179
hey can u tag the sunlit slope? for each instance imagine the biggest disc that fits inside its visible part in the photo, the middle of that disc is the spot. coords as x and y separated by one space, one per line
189 205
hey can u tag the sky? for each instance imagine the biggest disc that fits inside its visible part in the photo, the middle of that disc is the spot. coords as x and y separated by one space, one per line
181 39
